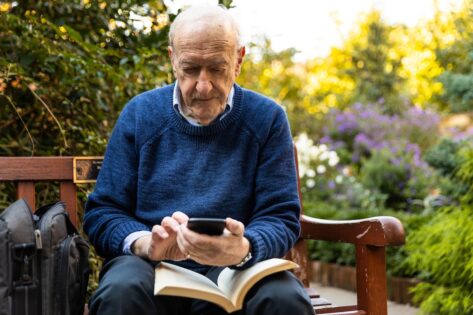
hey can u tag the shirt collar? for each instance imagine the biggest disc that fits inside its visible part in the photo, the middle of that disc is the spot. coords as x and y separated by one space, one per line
176 101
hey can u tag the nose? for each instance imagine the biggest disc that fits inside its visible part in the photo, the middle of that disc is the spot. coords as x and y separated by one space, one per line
204 85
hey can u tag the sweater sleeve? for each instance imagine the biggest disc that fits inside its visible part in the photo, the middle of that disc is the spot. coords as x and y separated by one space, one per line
109 212
274 226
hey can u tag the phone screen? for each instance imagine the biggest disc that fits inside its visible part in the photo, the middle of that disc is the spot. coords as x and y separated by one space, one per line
207 226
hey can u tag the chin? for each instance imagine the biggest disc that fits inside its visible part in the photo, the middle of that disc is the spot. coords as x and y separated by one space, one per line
213 103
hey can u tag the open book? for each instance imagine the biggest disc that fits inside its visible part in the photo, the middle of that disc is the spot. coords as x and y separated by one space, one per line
232 284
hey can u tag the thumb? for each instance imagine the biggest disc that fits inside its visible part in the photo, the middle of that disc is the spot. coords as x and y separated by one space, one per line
234 226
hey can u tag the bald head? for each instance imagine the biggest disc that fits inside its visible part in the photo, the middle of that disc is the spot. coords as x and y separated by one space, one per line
213 19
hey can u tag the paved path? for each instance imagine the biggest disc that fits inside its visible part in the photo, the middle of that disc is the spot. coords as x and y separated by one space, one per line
341 297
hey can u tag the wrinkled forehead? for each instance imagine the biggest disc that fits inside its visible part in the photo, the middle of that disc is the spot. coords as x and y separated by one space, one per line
215 34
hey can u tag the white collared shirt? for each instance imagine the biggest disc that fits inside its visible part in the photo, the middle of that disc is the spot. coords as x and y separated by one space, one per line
177 104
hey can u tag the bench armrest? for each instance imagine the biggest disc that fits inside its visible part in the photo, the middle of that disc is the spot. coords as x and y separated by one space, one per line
376 231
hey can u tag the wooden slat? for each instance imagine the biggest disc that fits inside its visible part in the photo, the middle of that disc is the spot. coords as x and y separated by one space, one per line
36 168
296 160
300 256
312 293
68 193
317 302
345 310
26 190
371 279
345 313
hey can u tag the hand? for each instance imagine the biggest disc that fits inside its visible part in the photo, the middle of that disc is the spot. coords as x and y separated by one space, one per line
224 250
161 244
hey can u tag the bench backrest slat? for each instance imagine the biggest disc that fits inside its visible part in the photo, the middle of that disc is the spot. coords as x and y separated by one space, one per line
26 190
68 194
36 168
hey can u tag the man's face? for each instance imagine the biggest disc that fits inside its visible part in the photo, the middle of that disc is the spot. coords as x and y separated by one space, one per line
206 62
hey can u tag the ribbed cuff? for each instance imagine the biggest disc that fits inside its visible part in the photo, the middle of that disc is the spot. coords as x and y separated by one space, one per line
258 252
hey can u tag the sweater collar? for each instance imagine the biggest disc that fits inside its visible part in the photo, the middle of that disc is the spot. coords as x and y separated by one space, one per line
177 104
224 120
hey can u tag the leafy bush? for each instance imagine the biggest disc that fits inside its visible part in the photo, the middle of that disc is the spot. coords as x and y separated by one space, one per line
446 159
323 179
441 251
406 180
361 129
457 59
385 151
68 67
442 254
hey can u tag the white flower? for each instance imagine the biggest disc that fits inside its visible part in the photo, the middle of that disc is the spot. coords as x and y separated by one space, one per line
310 183
333 158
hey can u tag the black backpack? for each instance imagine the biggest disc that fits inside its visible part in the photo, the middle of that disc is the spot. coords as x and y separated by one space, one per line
43 262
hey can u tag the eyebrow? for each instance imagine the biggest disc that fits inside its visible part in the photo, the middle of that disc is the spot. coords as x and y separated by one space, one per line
187 62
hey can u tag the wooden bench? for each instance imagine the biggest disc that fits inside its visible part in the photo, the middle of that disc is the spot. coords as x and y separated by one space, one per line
370 236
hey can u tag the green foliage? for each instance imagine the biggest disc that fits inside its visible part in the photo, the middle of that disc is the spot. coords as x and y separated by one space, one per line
446 158
385 151
380 173
375 64
347 193
67 69
437 300
441 251
396 179
275 74
457 59
465 172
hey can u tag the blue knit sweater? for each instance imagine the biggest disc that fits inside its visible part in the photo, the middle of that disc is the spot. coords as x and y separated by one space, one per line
156 163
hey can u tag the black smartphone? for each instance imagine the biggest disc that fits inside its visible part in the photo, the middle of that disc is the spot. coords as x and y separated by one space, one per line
207 226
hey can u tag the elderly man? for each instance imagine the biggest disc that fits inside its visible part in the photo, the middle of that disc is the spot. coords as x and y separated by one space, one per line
202 147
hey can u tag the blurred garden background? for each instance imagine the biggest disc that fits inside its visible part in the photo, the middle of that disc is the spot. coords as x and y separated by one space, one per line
383 121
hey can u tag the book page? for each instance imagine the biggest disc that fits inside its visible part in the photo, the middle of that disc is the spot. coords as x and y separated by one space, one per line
177 281
236 283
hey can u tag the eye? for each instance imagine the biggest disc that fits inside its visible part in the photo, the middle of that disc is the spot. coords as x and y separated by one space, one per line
217 70
190 70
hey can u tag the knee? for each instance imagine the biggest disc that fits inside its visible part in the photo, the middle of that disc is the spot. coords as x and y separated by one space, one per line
283 295
128 280
289 301
128 275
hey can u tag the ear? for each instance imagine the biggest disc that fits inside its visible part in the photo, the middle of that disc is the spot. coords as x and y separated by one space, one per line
240 54
171 55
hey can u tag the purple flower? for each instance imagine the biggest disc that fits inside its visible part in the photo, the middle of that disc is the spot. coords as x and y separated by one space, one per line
331 185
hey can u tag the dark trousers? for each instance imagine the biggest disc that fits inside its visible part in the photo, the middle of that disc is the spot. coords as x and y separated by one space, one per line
127 282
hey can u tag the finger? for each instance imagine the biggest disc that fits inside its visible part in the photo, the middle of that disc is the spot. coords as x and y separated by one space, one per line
158 232
196 242
183 243
180 217
235 227
170 223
